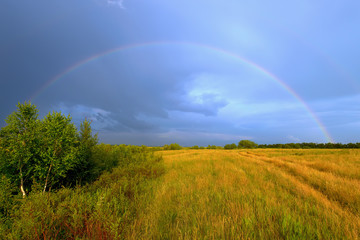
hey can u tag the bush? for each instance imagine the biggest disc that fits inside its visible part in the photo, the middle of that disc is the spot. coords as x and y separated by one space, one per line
247 144
7 201
104 209
230 146
173 146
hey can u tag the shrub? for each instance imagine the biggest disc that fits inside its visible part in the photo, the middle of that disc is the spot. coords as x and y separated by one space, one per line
230 146
247 144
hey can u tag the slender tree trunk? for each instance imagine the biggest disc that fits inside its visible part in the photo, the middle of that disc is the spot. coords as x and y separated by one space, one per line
22 190
47 178
22 183
21 174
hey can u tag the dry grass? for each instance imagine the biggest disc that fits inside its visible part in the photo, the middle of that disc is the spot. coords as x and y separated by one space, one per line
255 194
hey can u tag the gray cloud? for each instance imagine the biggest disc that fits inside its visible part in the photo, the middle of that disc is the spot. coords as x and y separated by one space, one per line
206 104
156 92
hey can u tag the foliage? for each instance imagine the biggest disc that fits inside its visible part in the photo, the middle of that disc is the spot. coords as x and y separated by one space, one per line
44 155
59 150
48 152
247 144
194 147
104 209
83 171
230 146
211 147
173 146
7 201
20 146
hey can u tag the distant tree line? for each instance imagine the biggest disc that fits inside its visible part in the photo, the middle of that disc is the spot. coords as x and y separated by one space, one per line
242 144
311 145
247 144
172 146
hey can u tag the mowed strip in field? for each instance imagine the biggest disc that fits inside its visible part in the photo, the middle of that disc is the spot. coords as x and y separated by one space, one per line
255 194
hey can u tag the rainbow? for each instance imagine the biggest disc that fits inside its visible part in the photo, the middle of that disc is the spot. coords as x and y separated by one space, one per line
257 67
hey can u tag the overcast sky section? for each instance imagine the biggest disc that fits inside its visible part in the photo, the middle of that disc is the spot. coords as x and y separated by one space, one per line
184 83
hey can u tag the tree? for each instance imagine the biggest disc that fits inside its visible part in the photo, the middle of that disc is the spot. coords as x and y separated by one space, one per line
20 145
230 146
211 147
173 146
84 169
60 149
247 144
50 152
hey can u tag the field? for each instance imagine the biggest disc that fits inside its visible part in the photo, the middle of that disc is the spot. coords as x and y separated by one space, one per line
254 194
197 194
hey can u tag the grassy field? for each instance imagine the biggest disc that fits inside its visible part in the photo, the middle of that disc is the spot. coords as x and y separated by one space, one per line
254 194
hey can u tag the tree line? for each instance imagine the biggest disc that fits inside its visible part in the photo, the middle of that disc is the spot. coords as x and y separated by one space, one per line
247 144
305 145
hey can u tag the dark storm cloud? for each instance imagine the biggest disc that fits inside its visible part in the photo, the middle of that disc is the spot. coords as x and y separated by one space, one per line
132 83
38 39
156 93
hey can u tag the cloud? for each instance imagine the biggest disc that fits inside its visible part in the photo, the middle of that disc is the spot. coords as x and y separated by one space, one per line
184 138
118 3
101 119
199 137
207 104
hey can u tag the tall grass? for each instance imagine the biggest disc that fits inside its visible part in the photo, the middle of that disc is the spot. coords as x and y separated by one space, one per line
200 194
256 194
105 209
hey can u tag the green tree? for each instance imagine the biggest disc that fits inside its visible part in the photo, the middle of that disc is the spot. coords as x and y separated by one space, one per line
230 146
60 149
173 146
19 144
247 144
49 153
84 170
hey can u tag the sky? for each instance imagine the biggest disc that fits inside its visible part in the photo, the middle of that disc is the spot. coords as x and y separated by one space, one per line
191 72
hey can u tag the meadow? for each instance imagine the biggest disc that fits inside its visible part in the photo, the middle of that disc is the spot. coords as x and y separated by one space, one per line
200 194
255 194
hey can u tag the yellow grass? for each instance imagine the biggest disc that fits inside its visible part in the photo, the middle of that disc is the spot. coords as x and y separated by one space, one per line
255 194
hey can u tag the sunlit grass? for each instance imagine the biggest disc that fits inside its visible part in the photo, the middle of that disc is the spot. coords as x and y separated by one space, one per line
255 194
204 194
